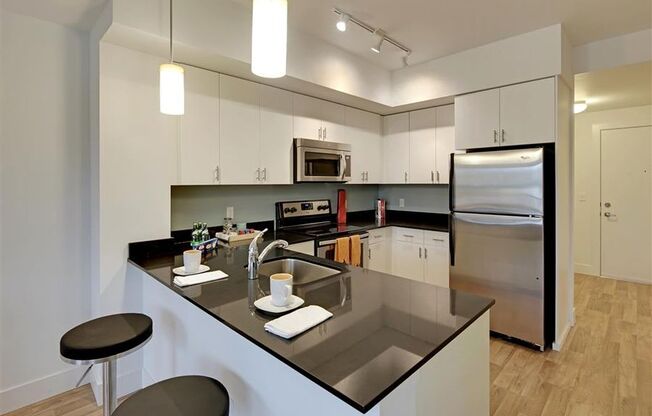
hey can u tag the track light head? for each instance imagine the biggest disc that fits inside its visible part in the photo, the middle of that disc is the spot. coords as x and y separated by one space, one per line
380 35
341 23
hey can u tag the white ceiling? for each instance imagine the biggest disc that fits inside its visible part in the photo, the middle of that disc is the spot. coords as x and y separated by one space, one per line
435 28
78 14
625 86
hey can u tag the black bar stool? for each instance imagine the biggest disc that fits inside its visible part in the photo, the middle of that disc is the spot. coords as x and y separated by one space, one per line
103 341
178 396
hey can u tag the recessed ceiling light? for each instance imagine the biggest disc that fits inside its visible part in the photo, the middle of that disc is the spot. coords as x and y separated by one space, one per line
341 23
579 107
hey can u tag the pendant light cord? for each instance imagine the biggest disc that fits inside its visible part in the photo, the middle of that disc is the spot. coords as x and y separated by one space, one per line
171 50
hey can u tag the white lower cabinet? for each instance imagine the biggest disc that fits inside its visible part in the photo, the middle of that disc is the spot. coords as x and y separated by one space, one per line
406 260
379 257
435 257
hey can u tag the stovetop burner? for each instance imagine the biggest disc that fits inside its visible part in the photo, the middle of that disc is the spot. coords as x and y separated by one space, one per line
330 230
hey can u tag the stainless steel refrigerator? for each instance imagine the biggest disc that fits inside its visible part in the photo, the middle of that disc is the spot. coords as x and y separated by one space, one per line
502 212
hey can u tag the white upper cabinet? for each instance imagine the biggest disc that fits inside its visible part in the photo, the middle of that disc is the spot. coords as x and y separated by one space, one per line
307 117
363 134
239 131
199 144
275 135
396 148
508 116
444 142
477 119
333 122
527 113
422 146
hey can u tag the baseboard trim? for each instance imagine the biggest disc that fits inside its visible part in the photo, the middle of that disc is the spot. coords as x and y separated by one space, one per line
39 389
127 383
584 269
559 343
627 279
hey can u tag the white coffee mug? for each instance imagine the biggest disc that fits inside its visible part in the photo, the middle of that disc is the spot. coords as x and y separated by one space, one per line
191 261
280 285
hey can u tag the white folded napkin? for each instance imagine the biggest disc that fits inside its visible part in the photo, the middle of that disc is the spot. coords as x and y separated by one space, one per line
301 320
195 279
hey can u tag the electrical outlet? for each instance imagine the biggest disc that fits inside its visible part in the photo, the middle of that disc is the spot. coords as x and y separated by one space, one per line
401 203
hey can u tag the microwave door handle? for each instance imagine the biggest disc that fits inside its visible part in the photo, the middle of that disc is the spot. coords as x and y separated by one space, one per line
345 165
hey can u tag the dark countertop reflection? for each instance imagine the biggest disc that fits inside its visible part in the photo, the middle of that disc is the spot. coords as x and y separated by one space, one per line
383 329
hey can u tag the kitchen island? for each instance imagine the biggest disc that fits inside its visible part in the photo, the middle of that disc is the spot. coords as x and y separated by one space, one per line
393 347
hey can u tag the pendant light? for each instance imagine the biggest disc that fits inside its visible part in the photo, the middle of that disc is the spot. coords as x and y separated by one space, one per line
171 83
269 26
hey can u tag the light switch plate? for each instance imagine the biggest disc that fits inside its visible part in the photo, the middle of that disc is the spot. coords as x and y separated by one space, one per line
401 203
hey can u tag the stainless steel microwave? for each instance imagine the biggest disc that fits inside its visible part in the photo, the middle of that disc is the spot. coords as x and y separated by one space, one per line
321 161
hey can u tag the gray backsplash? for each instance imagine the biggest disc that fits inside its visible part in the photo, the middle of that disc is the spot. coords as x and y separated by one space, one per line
256 202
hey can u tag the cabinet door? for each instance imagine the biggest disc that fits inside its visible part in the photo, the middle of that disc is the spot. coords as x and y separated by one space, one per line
422 146
527 113
307 117
444 142
407 261
239 131
199 137
275 135
396 148
333 123
363 134
477 120
378 257
436 263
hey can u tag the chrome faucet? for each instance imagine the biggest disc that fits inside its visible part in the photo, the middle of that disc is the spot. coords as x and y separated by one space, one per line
255 259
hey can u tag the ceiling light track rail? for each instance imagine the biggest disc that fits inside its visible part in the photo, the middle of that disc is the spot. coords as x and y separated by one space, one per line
373 30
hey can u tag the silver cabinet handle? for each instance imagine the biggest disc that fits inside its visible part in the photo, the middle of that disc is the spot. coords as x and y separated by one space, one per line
441 240
265 174
609 214
437 176
405 174
258 174
369 254
425 253
502 135
432 176
495 136
362 175
217 173
366 176
320 133
324 133
408 236
607 204
419 252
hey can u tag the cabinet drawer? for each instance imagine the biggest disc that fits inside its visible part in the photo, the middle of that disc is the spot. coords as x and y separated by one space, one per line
436 238
409 235
379 234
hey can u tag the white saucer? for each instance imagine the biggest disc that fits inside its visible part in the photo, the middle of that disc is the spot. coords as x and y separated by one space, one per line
181 271
265 304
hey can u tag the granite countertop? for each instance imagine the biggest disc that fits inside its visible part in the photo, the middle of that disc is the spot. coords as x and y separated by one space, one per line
418 220
383 329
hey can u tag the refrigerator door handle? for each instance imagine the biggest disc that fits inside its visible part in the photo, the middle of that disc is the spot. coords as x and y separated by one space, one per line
451 181
451 238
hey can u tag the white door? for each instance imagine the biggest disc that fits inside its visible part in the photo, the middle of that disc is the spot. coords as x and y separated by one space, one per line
444 142
422 146
239 131
275 135
407 260
378 257
626 198
199 138
477 120
527 113
333 123
307 117
363 134
436 255
396 148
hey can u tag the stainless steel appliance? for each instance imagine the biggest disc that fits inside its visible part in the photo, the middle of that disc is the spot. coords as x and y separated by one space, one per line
321 161
502 237
314 218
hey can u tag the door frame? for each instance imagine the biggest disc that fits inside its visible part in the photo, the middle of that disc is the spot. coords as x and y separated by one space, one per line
597 136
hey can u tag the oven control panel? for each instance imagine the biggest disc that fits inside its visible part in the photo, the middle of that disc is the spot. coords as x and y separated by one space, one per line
305 208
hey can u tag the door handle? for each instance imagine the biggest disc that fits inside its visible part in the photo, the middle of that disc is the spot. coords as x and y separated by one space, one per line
609 214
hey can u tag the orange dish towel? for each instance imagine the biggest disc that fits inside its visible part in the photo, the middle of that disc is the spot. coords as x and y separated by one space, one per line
342 252
356 252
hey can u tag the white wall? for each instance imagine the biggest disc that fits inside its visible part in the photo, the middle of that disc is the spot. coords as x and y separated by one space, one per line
587 179
44 213
627 49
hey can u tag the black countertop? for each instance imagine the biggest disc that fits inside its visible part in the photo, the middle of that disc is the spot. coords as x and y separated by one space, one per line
383 329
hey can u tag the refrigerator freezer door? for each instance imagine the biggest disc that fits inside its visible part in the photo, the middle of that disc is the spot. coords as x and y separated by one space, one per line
501 257
500 182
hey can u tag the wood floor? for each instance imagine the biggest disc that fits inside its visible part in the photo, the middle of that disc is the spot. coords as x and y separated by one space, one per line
605 368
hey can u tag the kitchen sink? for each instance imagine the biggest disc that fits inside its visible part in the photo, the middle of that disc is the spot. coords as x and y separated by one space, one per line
303 272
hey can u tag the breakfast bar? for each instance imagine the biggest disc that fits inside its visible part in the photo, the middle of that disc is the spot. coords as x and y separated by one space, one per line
393 346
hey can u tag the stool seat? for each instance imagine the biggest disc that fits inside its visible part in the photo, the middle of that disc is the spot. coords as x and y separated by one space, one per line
106 337
178 396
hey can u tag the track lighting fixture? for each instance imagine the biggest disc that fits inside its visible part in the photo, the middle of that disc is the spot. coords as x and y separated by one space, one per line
380 35
341 23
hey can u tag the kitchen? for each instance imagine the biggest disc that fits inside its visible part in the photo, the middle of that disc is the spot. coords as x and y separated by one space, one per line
402 135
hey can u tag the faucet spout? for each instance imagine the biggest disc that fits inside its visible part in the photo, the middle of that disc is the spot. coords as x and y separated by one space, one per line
254 259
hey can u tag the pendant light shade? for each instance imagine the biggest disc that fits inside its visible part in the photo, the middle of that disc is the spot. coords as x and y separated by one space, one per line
171 89
269 38
171 85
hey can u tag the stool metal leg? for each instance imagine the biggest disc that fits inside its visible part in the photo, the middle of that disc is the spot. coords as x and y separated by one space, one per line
109 376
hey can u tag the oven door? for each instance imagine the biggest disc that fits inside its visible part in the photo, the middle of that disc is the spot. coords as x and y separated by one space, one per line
322 165
326 249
